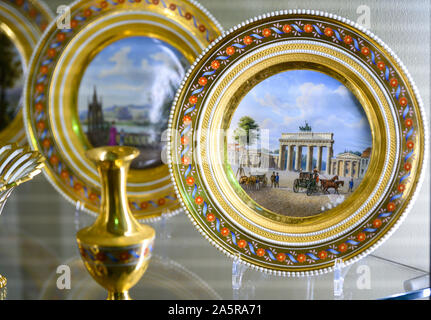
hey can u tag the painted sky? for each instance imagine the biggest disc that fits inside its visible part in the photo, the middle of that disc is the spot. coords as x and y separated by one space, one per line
134 70
286 100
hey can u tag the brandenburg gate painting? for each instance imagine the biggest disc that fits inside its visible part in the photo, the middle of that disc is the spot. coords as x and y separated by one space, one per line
294 142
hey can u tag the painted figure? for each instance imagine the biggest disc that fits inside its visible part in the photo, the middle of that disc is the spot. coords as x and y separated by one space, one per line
351 185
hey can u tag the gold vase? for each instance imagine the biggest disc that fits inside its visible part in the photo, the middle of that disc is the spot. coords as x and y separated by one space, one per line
116 249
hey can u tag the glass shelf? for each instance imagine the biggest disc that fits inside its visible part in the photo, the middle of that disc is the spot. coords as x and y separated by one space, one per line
37 234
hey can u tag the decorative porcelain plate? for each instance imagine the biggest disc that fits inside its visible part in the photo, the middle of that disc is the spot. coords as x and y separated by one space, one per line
110 79
22 22
296 139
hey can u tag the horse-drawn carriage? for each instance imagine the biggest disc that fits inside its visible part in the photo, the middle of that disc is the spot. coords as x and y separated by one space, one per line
310 181
307 180
251 181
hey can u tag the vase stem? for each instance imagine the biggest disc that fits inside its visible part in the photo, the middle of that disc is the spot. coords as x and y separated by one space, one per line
124 295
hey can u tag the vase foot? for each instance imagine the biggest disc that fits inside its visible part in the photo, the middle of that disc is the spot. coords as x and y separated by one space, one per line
3 281
118 295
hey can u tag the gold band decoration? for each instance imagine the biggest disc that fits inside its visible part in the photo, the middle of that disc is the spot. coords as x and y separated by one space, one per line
110 79
298 214
22 22
17 165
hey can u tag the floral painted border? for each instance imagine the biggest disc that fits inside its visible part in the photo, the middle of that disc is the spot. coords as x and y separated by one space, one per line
294 28
32 12
45 66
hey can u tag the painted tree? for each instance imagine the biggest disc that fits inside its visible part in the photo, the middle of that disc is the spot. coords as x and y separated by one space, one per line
247 133
10 72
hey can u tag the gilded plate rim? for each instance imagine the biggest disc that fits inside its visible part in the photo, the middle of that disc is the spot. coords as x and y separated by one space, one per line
407 205
31 132
15 131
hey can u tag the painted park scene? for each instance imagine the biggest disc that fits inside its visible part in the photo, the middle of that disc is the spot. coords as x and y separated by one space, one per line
11 81
126 93
299 143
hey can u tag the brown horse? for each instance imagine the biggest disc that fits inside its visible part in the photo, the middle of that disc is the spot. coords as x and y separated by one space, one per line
331 184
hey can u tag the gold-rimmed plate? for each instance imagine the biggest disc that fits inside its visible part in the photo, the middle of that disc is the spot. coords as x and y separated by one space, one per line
296 139
109 78
22 22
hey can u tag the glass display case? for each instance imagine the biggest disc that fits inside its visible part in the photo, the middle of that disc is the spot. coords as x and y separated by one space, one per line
39 255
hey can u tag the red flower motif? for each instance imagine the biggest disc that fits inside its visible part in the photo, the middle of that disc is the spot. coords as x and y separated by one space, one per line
301 257
124 256
361 237
247 40
215 64
54 160
377 223
393 82
100 256
408 122
64 174
308 28
230 51
156 2
410 144
103 4
44 69
187 119
51 52
390 206
193 99
39 107
342 247
93 197
73 23
260 252
403 101
199 200
161 201
202 81
184 140
87 13
185 161
40 87
190 181
401 187
365 51
144 205
225 232
328 32
281 257
380 65
210 217
242 244
266 32
188 15
202 28
348 39
61 37
407 166
287 28
77 187
46 143
172 6
322 254
40 125
19 2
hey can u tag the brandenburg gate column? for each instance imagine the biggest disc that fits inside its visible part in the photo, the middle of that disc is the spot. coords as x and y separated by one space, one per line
309 163
289 158
298 156
281 157
328 159
319 158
